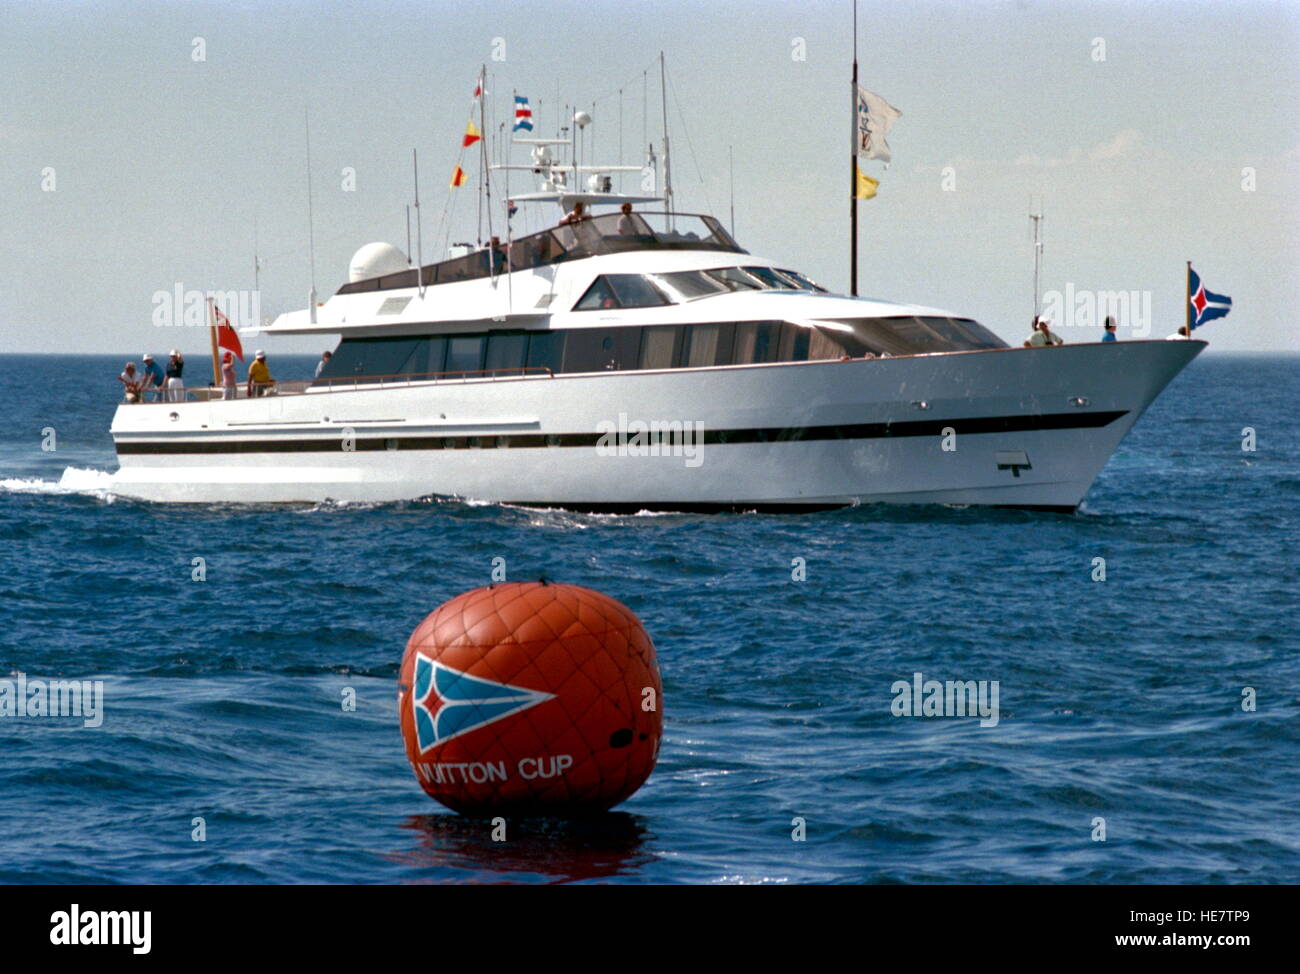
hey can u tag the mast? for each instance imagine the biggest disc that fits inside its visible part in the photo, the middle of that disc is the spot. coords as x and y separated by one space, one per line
853 166
311 223
1037 219
1187 301
483 154
212 335
419 239
668 170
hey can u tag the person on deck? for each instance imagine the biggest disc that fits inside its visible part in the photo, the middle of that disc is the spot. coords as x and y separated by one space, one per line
1042 335
324 361
576 215
154 378
1110 336
259 376
1181 334
175 385
497 252
626 225
228 381
132 381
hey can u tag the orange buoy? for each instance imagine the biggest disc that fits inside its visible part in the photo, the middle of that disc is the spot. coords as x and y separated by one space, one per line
530 698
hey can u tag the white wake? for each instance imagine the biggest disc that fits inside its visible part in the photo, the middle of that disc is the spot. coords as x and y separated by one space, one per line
75 480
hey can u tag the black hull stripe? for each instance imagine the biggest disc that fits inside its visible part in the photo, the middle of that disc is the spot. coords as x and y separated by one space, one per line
514 441
684 507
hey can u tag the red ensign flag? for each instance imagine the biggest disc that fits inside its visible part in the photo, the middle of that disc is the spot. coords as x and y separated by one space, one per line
226 335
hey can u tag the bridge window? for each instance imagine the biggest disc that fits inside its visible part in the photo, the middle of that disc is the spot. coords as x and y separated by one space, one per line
621 291
684 285
801 282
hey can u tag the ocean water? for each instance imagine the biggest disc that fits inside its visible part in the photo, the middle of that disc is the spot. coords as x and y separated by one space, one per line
1119 700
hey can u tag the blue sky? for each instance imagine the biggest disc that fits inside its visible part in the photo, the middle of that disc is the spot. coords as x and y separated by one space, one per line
162 164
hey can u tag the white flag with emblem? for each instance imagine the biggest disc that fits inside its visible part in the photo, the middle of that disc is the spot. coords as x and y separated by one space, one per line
875 117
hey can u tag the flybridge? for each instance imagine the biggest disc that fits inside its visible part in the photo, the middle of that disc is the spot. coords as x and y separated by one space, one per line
378 266
611 233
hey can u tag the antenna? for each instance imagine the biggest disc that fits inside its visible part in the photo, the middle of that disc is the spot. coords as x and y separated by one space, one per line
419 239
731 175
257 261
1036 219
311 222
668 169
408 235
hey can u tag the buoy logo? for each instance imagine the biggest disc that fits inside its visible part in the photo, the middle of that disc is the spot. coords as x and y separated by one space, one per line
448 703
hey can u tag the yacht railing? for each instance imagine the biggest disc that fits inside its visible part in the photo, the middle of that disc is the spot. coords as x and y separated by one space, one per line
296 387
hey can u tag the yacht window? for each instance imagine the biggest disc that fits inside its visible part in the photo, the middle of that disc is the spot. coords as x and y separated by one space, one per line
825 345
708 345
977 334
771 278
658 347
415 362
546 350
599 295
601 349
906 335
369 357
795 341
756 341
465 353
801 282
684 285
735 279
437 355
635 291
506 351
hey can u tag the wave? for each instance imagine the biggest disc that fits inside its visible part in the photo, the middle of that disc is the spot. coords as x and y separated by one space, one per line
75 480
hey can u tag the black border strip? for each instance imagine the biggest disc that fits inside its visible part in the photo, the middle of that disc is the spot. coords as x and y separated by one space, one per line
516 441
758 507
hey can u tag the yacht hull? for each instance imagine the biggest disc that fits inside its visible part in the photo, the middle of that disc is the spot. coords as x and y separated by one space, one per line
1025 428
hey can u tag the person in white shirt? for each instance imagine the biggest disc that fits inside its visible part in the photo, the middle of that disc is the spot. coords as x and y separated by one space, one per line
132 381
1181 334
324 361
626 225
1043 335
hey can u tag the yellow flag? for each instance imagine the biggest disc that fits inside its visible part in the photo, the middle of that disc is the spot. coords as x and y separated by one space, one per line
866 185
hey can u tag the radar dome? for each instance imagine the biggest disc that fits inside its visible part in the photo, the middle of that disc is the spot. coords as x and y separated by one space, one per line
375 259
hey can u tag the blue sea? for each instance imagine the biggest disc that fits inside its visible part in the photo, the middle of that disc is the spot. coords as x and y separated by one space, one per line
1121 701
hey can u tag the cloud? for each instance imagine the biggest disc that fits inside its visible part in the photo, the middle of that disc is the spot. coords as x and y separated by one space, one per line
1116 147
